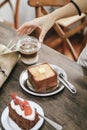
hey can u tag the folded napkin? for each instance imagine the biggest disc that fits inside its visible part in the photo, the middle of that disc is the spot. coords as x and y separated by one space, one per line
7 62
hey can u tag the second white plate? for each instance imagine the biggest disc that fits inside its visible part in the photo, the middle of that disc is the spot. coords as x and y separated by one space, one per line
24 76
13 126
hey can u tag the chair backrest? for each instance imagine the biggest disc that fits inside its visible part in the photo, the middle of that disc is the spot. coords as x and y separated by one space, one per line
39 5
14 11
36 3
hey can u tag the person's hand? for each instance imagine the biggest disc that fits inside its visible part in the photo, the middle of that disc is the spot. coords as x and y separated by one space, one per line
44 23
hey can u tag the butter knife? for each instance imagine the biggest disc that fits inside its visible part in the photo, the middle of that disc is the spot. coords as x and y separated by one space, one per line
67 84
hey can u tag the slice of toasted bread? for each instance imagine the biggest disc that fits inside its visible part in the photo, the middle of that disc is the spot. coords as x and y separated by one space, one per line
42 76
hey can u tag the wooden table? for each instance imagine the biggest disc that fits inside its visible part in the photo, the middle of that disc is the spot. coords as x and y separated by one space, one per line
64 108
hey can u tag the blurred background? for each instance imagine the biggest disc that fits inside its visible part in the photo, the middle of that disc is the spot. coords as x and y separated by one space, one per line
25 12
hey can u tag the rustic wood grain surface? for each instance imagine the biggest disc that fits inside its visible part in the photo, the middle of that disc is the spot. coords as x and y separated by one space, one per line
64 108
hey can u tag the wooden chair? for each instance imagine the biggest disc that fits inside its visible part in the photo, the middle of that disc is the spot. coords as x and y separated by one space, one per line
65 27
14 11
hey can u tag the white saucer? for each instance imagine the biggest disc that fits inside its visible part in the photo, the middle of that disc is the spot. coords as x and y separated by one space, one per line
24 76
5 118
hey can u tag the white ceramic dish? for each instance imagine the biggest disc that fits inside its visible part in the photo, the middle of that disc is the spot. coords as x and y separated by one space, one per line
24 76
13 126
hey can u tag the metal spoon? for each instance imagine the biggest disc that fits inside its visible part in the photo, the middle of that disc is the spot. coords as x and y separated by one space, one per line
52 123
67 84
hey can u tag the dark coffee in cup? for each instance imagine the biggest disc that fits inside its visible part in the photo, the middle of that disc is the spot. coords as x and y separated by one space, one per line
29 48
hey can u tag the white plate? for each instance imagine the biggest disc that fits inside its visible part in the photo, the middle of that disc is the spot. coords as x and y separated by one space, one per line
24 76
5 118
